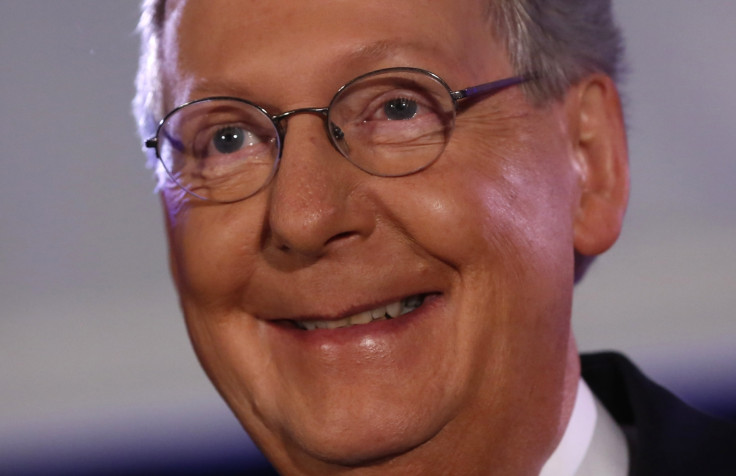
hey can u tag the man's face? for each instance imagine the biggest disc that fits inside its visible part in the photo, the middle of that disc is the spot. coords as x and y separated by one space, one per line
484 236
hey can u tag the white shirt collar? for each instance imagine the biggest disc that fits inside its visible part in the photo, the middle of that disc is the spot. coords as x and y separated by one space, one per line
592 445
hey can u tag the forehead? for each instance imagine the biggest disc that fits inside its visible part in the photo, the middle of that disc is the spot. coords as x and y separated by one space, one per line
267 20
252 41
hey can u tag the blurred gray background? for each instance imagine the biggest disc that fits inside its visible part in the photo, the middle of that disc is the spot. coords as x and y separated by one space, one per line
94 358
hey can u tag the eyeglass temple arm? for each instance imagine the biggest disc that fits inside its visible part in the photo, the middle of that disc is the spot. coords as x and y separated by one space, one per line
490 88
152 143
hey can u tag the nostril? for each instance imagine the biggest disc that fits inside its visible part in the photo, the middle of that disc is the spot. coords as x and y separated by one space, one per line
340 236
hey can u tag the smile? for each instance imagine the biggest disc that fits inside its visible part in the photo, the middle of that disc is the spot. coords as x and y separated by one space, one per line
390 311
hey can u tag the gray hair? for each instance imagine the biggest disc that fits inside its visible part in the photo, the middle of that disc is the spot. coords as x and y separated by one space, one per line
148 103
559 41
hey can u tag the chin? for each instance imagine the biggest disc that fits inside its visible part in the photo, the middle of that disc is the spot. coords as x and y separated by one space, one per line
370 440
366 448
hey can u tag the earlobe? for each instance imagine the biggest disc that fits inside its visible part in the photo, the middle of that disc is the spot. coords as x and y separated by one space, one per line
599 141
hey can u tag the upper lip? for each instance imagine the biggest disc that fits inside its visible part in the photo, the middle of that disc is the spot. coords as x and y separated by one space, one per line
334 292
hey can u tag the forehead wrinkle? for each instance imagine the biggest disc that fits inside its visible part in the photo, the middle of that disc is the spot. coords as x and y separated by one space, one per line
347 60
356 61
353 60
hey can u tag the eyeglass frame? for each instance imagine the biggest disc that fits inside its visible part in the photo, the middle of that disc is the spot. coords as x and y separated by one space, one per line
489 88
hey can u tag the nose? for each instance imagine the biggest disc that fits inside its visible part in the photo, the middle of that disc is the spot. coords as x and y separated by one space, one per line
315 203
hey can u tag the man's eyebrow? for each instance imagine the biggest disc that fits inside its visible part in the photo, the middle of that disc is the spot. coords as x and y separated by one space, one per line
376 50
219 86
380 50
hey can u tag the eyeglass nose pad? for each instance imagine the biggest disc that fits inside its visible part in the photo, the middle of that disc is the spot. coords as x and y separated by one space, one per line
338 138
336 132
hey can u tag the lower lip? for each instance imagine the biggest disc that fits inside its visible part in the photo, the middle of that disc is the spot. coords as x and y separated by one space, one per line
357 333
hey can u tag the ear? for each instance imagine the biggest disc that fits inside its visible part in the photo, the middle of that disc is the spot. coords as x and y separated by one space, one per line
599 143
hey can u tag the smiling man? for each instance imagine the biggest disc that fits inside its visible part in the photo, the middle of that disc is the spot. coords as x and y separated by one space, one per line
376 213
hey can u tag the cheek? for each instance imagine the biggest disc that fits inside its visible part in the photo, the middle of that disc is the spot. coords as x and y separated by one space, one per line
499 208
213 248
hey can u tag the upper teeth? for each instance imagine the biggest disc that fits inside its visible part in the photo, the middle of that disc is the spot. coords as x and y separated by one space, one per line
389 311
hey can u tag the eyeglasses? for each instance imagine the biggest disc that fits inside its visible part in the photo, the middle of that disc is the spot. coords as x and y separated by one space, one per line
391 122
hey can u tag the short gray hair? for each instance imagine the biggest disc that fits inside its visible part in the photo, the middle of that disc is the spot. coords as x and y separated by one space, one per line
559 41
148 103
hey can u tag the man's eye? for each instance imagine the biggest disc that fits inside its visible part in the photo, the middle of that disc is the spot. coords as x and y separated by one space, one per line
236 140
400 109
229 139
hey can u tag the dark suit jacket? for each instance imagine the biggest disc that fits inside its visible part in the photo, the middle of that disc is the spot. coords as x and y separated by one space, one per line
666 437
